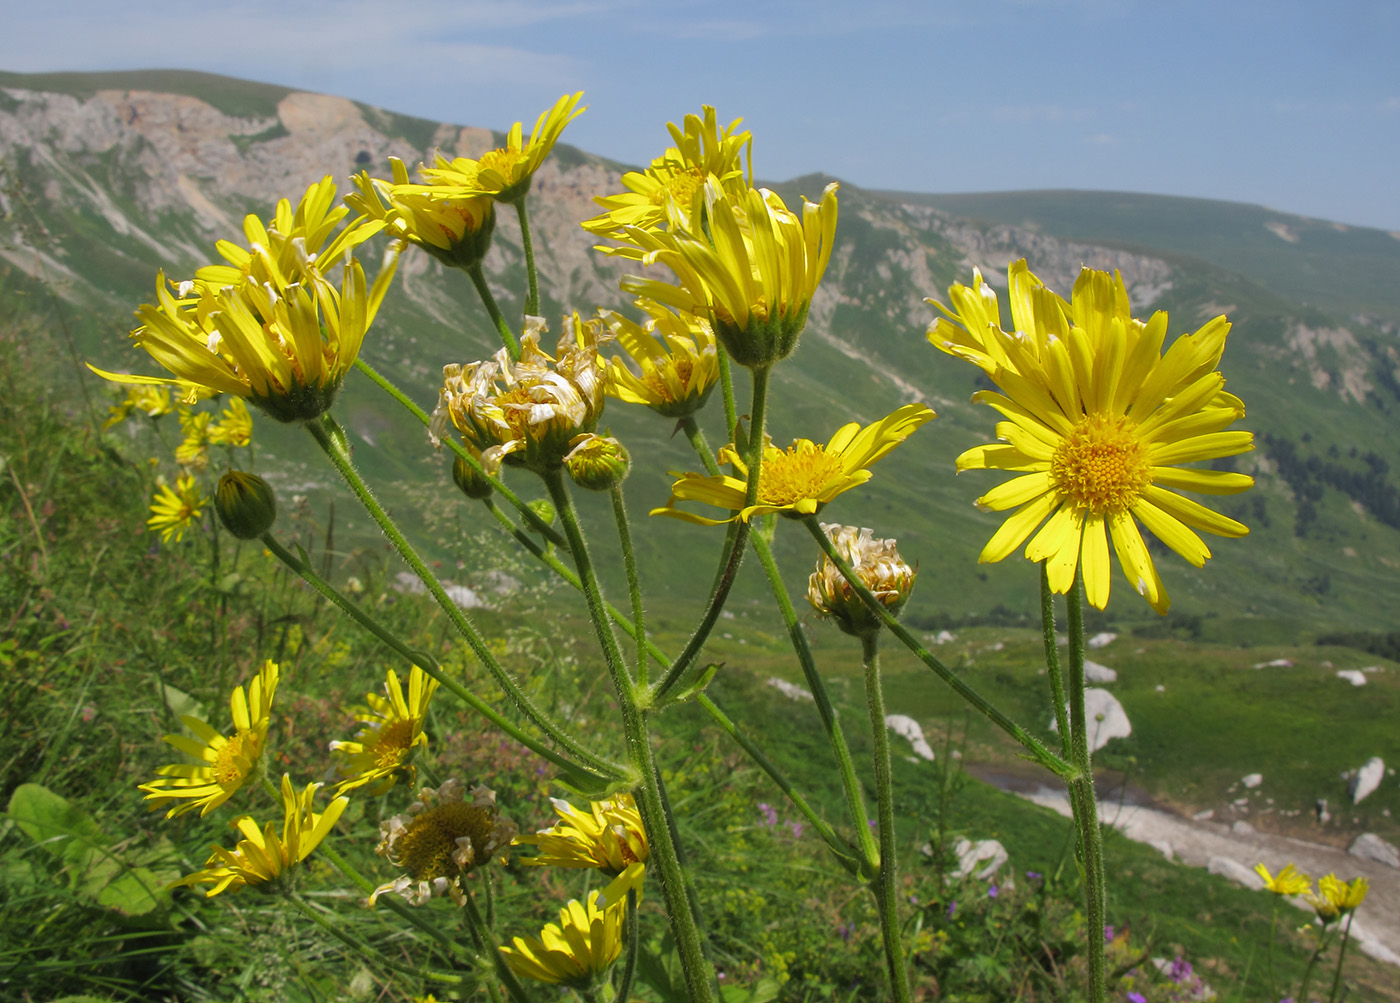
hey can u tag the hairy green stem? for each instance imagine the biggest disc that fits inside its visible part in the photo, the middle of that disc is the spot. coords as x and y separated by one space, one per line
855 802
1087 813
634 587
403 909
536 524
887 881
532 302
497 319
665 850
1032 744
481 933
631 934
726 386
331 439
1057 689
362 949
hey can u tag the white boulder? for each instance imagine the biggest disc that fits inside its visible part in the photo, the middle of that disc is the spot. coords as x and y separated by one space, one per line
1102 639
1354 676
980 860
1277 663
1233 870
1369 846
906 727
1367 779
1106 718
1096 673
790 690
1252 780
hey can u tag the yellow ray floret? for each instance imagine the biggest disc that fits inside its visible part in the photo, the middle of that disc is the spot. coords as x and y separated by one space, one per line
609 836
224 762
798 480
1098 422
174 510
587 939
1290 880
676 359
391 732
262 856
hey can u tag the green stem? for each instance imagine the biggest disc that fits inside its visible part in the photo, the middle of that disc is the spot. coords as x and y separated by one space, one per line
665 851
733 555
1057 689
418 658
331 439
403 909
1323 941
363 950
1090 838
1032 744
839 848
631 935
1273 928
481 933
634 588
887 881
532 302
1341 956
855 803
502 328
726 386
536 524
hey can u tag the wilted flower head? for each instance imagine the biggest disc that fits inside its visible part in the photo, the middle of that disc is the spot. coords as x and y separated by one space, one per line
676 355
261 856
609 836
440 839
269 325
527 413
878 566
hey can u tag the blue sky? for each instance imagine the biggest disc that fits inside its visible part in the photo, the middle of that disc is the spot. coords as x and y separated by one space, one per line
1291 104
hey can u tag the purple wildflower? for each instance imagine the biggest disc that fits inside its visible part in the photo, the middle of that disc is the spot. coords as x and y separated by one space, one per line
1107 933
1136 998
770 814
952 908
992 892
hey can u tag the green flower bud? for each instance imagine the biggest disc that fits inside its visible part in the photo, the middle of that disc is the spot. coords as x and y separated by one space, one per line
246 504
597 462
470 479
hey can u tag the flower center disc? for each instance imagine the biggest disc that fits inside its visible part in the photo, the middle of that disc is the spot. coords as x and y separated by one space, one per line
426 847
679 189
392 744
227 768
791 475
1101 464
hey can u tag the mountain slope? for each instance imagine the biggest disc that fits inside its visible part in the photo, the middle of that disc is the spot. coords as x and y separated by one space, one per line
110 177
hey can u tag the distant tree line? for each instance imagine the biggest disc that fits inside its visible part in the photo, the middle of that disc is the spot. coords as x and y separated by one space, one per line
1382 645
1309 476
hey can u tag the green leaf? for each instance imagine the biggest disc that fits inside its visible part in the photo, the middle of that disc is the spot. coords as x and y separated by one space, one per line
180 703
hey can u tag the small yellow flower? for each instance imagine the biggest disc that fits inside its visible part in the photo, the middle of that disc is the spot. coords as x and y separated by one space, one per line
193 450
154 402
174 510
587 939
261 856
753 273
669 187
878 566
799 480
1343 896
392 732
505 173
441 839
608 836
1099 422
450 221
235 427
676 355
1290 880
268 326
527 413
225 762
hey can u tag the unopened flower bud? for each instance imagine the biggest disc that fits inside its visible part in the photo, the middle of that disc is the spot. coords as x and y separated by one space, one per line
876 564
597 462
246 504
470 479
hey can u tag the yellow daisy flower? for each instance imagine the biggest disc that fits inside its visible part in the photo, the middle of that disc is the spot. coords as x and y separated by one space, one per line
225 762
505 173
676 355
441 839
799 480
261 856
174 510
1290 880
669 187
193 450
878 566
1099 422
587 939
450 222
392 732
269 326
1343 896
609 836
753 274
527 413
154 402
235 427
